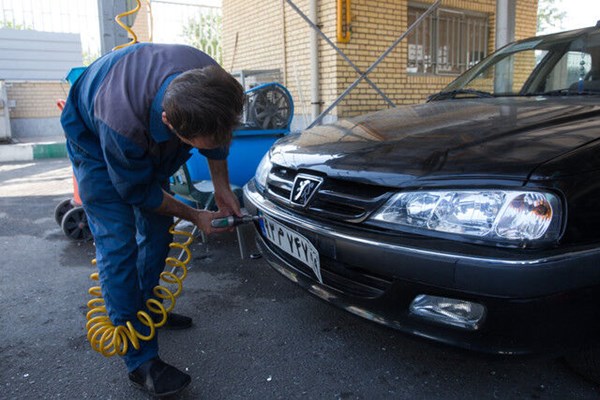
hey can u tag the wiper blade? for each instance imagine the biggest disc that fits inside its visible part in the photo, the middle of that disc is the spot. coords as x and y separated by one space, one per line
451 94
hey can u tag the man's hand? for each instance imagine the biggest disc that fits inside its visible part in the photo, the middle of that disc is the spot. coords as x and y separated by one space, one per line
226 200
202 220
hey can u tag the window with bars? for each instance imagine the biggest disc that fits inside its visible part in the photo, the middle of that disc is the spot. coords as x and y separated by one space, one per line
447 42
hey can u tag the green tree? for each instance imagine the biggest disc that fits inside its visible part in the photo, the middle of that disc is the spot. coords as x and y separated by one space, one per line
549 15
204 33
12 25
89 57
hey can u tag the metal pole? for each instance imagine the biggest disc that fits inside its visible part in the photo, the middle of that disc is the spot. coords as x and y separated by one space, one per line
340 52
505 22
374 65
505 33
315 77
111 34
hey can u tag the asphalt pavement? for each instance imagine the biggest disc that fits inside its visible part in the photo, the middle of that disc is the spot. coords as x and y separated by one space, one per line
255 334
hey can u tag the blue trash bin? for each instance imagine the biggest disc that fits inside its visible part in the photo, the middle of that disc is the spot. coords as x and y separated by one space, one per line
246 151
74 73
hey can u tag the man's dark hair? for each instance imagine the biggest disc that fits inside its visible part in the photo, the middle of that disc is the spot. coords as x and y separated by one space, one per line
206 102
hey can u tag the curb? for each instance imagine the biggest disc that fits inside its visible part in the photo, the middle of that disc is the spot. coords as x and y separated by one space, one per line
32 151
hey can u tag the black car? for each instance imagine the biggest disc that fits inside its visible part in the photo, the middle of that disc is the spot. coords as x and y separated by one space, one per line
472 219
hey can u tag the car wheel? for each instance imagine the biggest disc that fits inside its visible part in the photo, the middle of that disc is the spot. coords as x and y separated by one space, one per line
586 362
75 225
61 209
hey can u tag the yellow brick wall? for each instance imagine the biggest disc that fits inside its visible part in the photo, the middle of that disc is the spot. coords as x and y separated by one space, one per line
375 25
36 99
142 22
526 15
374 30
253 35
421 86
269 34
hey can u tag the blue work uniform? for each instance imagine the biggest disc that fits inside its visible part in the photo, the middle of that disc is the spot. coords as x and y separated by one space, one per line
123 155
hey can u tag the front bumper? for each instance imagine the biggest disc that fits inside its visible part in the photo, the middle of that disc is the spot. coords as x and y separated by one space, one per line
534 302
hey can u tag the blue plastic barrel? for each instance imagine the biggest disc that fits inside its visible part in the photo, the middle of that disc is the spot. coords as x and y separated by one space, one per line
74 73
246 151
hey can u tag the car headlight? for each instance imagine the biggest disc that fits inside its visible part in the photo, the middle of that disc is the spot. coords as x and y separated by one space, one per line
498 215
262 171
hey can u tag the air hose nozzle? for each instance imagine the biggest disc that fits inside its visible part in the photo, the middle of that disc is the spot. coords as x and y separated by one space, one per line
232 220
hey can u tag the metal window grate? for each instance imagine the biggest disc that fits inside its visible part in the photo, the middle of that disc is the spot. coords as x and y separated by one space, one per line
448 42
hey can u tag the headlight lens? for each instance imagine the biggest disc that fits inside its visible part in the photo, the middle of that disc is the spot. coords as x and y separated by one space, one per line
486 214
262 171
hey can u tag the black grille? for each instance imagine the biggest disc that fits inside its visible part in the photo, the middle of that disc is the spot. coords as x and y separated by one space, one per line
280 182
335 199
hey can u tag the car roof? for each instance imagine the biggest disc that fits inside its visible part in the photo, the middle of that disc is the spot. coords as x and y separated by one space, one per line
566 35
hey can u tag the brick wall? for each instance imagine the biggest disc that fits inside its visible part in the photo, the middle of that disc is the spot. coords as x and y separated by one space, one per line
141 24
272 35
253 36
36 99
421 86
376 24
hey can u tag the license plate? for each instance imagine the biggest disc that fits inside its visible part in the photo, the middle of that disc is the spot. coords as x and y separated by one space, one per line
293 244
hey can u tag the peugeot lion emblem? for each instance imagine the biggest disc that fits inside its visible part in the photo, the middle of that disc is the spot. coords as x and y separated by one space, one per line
305 186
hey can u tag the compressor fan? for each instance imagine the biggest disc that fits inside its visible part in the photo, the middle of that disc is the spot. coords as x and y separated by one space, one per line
269 108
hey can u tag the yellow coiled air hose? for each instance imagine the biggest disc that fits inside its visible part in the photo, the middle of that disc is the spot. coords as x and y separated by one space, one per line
128 29
108 339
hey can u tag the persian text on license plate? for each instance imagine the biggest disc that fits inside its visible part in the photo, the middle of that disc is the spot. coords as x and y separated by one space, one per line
293 244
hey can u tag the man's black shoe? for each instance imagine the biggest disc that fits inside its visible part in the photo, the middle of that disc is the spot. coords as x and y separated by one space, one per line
158 378
177 321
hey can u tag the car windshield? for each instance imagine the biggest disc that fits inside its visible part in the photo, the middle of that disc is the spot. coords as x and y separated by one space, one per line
555 65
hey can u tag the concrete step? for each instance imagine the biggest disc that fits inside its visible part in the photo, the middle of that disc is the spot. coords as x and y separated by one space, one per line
27 149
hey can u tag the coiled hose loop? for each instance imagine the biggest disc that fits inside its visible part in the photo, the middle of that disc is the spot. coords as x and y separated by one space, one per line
108 339
128 29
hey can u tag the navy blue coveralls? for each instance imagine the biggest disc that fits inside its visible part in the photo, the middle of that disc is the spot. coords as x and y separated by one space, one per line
123 155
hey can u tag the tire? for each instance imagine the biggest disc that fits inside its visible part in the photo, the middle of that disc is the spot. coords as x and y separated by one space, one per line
75 226
61 209
586 362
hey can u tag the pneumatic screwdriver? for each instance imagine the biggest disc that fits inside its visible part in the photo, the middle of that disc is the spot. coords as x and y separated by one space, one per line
233 220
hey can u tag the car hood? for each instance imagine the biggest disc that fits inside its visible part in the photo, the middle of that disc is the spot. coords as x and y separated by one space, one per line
500 138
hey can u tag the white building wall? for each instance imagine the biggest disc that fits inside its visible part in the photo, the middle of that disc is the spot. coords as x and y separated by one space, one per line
33 55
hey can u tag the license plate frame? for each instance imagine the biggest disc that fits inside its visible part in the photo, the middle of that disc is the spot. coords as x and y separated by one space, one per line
292 243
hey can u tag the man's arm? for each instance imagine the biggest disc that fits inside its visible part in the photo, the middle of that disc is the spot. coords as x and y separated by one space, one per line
226 200
175 208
